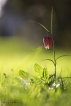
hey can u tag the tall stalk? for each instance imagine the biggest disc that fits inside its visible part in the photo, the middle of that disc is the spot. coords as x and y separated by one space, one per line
54 60
53 43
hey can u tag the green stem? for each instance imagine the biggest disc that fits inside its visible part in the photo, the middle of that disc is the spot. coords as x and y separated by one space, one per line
55 64
54 55
54 67
53 43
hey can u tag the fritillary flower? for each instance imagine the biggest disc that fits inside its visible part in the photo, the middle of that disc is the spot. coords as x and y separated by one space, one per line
48 42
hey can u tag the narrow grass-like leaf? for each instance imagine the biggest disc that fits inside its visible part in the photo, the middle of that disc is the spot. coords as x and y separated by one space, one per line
50 60
62 56
51 20
65 77
40 25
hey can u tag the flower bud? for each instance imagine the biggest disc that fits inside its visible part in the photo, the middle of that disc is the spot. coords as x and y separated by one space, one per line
48 42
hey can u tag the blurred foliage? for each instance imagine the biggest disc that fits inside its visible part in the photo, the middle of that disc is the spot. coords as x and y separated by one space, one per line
26 79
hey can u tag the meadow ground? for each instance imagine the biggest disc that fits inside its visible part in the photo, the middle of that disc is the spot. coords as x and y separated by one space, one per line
16 55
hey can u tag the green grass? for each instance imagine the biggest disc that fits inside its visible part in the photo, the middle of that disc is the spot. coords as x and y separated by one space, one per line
23 89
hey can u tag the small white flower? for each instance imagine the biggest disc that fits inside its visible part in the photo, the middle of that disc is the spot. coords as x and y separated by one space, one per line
57 85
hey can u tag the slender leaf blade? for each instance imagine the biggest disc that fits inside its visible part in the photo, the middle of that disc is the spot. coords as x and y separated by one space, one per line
41 25
62 56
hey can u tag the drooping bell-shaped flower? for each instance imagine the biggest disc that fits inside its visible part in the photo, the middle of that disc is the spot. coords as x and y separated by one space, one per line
48 42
